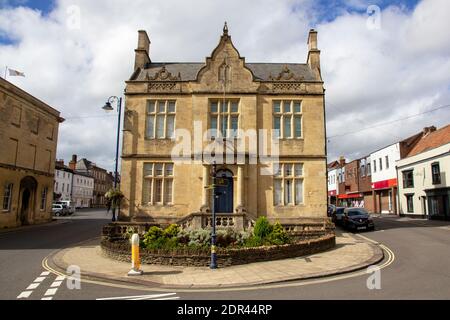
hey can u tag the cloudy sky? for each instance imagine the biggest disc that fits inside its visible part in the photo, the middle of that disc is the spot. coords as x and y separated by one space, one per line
384 73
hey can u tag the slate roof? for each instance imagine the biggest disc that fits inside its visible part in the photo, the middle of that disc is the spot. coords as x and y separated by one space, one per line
262 71
432 140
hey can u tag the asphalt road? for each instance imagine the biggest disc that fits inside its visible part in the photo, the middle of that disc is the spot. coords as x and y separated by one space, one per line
418 269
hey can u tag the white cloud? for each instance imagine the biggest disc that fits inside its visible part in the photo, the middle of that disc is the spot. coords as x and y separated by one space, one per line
370 76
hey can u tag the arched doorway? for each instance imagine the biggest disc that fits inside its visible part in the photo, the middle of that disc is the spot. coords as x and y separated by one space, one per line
28 186
224 194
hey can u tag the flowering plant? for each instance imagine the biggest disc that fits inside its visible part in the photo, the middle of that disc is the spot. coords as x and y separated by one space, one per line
115 196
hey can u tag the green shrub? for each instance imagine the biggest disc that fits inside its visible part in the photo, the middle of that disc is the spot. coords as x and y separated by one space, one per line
153 234
278 235
172 231
253 241
262 228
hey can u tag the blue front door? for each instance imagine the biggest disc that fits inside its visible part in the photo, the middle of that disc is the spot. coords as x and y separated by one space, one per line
224 194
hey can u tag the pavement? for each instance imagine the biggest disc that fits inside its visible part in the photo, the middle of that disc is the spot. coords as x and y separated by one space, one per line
350 254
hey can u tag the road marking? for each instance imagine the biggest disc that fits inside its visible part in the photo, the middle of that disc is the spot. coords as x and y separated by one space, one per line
24 295
51 292
172 298
45 273
47 298
55 284
33 286
143 297
39 279
60 278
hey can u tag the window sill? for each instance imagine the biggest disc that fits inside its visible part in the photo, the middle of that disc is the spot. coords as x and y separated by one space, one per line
157 205
291 139
289 206
160 139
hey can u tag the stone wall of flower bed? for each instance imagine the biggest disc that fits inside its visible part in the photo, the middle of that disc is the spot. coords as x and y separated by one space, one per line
121 250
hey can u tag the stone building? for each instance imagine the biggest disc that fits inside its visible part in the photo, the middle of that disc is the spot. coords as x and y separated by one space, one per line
223 101
102 180
28 139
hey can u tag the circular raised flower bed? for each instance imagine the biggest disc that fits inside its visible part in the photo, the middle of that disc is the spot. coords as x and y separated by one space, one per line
119 249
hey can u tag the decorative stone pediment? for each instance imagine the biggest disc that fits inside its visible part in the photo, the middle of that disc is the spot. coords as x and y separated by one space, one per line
225 70
163 75
286 75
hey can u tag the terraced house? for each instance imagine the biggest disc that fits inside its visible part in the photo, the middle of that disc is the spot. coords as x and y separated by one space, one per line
221 100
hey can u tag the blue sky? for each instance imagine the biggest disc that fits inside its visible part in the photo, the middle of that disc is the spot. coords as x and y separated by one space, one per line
45 6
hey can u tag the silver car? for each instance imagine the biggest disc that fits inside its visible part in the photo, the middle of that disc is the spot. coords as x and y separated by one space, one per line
59 210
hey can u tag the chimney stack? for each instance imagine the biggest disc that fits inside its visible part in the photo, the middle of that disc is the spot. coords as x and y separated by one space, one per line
342 161
314 54
142 53
73 162
427 130
60 163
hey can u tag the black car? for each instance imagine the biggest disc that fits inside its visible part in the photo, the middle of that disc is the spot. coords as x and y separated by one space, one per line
356 219
330 209
337 215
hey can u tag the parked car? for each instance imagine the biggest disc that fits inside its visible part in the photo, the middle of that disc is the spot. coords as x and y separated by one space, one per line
337 215
59 210
356 219
330 209
68 205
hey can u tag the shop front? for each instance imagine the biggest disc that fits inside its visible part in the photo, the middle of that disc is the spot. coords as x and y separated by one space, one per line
384 199
351 200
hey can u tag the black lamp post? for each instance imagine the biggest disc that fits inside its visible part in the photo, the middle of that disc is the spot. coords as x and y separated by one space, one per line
108 107
213 264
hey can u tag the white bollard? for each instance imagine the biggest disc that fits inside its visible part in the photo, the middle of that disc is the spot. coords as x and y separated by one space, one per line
135 259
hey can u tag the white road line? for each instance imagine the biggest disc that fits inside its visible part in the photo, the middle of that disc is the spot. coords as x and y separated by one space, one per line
33 286
24 295
55 284
47 298
39 279
51 292
60 278
172 298
45 273
143 297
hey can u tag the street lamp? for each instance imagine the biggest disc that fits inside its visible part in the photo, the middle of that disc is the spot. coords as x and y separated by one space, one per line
108 107
213 264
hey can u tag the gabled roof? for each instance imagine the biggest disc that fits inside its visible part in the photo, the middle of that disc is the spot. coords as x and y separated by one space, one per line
188 71
431 140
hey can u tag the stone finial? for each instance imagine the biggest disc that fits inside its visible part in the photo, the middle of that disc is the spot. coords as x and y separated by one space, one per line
225 29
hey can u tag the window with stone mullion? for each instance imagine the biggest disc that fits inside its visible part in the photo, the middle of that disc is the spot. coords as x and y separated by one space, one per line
160 119
287 118
288 184
158 184
224 118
